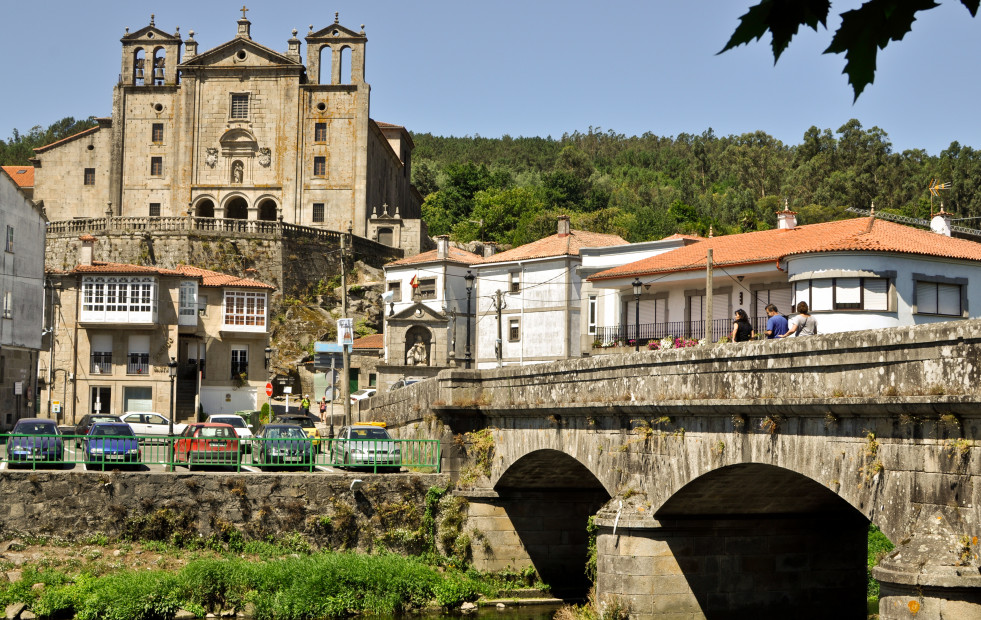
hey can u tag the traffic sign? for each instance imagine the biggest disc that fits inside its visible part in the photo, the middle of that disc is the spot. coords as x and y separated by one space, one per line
269 389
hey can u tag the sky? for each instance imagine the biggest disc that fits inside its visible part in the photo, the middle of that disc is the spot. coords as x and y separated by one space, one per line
535 67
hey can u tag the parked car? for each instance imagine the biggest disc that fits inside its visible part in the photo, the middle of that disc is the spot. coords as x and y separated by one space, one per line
83 426
303 421
362 394
403 382
204 443
149 424
35 439
365 445
239 424
111 442
282 444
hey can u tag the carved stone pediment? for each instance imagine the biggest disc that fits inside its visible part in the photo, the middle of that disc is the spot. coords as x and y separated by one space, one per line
238 142
419 313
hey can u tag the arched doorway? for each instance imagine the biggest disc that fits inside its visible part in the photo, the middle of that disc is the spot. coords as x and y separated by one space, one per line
237 209
204 208
267 210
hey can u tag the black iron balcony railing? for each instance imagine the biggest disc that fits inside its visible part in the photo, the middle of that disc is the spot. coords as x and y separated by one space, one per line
138 364
101 364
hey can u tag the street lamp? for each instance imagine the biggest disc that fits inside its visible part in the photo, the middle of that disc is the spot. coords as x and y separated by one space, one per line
469 278
268 353
172 371
637 286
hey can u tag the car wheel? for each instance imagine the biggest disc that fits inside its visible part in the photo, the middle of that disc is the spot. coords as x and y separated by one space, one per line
190 462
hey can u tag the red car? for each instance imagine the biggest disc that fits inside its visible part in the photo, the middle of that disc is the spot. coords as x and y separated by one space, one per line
207 444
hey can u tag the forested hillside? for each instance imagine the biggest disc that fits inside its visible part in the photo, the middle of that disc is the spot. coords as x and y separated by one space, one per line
510 190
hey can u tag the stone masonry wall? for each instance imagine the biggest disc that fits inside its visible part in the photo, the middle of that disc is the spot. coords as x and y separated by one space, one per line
323 509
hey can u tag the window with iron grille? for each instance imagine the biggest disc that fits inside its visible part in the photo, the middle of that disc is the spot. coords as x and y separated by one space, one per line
157 135
320 132
318 212
319 166
514 330
156 166
89 176
138 364
154 209
240 106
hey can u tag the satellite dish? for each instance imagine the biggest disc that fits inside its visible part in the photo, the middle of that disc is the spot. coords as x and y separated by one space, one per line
940 225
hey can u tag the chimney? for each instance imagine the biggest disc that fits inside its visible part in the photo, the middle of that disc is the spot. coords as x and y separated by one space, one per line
442 247
786 219
85 254
563 227
941 222
489 249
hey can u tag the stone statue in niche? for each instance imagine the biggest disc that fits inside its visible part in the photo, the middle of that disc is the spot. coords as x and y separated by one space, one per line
416 356
212 157
265 157
238 171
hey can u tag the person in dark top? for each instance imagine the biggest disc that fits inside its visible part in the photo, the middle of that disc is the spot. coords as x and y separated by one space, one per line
776 325
742 330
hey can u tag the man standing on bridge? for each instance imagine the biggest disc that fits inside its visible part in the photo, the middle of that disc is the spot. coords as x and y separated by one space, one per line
776 325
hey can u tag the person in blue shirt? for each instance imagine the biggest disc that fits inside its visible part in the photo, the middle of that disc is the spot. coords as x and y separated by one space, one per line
776 325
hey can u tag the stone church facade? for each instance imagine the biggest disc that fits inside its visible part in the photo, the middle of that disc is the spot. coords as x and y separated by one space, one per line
242 132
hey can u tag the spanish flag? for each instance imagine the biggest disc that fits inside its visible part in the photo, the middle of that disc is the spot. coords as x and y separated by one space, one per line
414 282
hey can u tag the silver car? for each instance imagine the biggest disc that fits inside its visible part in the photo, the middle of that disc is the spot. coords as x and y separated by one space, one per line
366 445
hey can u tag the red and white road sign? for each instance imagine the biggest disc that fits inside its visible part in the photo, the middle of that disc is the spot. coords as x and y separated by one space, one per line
269 389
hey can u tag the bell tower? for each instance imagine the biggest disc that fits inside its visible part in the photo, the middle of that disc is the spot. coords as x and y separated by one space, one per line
150 57
335 54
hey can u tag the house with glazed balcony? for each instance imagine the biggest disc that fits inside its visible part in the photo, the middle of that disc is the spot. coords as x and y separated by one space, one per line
141 338
855 275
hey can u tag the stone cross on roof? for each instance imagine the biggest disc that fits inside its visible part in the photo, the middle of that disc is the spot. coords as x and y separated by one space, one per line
243 9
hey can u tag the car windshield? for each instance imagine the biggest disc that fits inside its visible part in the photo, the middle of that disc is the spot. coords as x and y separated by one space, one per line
35 428
235 421
369 433
215 431
104 418
285 432
304 422
112 431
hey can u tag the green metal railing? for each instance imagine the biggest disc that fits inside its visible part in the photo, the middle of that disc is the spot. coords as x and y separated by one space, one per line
292 454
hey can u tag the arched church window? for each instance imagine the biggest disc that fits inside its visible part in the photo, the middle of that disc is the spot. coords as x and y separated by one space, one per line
344 66
326 56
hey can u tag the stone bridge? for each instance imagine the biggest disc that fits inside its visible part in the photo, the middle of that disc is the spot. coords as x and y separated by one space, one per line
727 481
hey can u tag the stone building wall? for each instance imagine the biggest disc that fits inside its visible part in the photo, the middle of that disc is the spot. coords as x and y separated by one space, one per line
60 182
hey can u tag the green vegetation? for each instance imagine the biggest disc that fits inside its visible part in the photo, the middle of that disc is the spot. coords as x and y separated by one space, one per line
510 190
19 148
879 546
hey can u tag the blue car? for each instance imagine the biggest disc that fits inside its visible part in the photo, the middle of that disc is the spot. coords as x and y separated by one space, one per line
282 444
35 439
112 443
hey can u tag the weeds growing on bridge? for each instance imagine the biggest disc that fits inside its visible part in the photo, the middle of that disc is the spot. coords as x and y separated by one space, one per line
479 449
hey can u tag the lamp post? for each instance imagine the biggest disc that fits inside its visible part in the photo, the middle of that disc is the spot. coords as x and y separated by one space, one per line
172 371
268 352
469 278
637 286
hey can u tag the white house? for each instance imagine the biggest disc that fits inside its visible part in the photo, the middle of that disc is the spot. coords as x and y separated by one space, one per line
427 313
529 299
855 274
22 318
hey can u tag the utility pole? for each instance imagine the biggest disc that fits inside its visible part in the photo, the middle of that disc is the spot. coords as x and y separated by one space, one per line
345 377
499 304
708 296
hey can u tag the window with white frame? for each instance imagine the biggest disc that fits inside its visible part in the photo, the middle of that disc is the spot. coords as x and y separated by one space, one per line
245 311
8 305
591 325
514 330
187 306
240 361
943 298
119 299
514 282
849 293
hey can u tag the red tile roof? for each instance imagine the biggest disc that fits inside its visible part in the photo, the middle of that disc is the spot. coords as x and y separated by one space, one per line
214 278
374 341
455 255
23 176
41 149
208 278
859 234
557 245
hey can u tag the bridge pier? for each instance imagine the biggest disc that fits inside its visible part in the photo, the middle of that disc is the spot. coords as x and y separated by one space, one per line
754 566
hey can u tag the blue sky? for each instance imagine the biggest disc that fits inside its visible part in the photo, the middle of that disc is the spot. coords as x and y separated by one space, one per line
533 68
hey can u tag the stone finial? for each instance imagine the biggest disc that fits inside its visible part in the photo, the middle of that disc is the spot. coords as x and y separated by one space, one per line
127 30
294 33
177 32
384 208
311 29
152 16
362 28
190 35
711 231
872 210
398 214
337 17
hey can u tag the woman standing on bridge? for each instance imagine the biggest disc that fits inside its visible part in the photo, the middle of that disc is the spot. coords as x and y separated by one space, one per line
803 324
742 329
